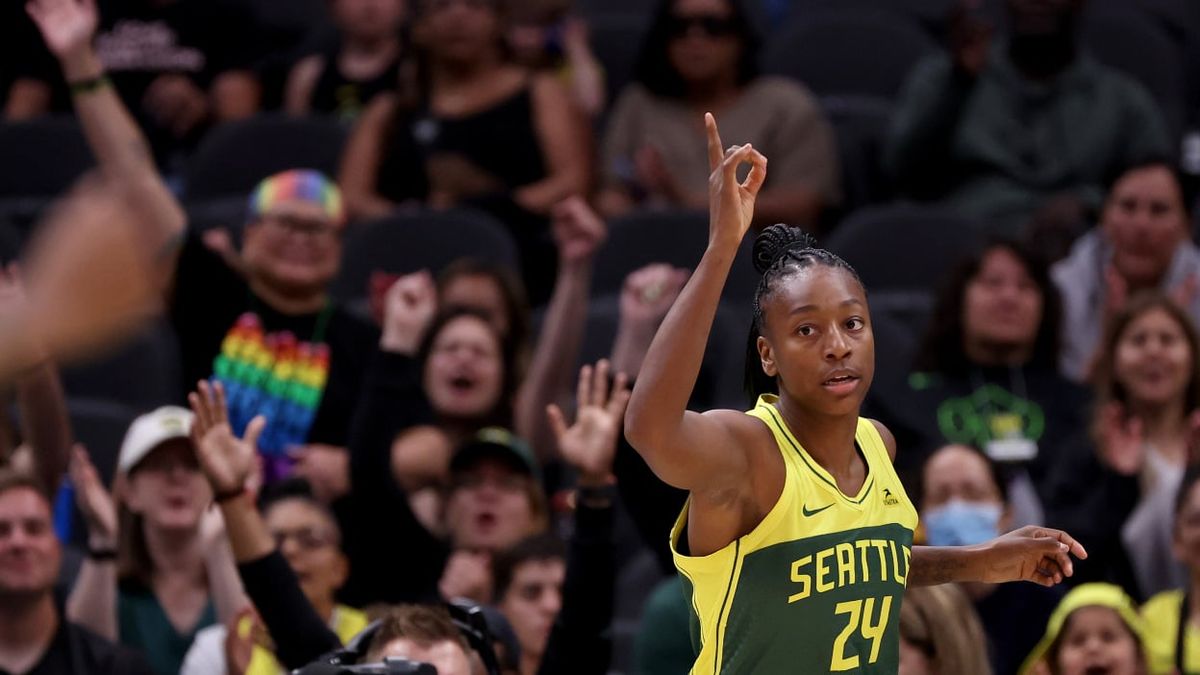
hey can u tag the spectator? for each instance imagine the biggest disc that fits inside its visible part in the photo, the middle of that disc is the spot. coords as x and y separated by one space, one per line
495 501
964 502
35 637
471 128
1120 498
703 55
422 634
663 645
309 353
529 590
543 36
1143 242
365 61
1172 633
308 537
179 65
986 375
170 573
299 633
998 131
940 634
1095 628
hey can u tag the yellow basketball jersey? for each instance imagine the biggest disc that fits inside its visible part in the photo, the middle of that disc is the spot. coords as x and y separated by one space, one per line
816 586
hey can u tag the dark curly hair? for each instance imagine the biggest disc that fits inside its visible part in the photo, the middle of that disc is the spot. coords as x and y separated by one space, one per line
780 252
653 69
942 349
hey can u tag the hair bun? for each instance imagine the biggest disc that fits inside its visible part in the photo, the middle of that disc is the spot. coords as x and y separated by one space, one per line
776 240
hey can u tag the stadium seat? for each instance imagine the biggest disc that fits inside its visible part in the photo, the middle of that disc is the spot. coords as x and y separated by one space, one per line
903 247
845 52
674 237
39 160
1133 42
144 373
861 125
409 242
100 425
720 381
617 41
234 157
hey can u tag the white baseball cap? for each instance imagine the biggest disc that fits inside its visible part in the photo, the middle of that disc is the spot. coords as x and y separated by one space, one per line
152 430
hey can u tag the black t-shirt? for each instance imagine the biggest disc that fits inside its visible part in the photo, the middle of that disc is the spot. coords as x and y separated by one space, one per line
304 373
78 651
928 410
1014 616
139 40
345 97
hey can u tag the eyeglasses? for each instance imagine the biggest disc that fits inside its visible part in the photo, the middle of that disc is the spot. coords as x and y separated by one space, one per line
712 25
306 226
307 538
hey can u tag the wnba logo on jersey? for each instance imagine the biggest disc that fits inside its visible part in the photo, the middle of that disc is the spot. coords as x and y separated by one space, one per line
889 499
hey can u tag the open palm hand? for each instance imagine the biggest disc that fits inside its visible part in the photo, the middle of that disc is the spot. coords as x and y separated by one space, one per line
227 460
590 444
67 26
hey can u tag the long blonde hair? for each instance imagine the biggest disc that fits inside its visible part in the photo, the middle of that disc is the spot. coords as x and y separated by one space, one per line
940 621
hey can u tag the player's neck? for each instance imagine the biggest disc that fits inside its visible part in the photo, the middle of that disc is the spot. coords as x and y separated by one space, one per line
829 439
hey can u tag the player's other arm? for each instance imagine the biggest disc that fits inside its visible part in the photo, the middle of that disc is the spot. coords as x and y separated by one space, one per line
693 451
1038 554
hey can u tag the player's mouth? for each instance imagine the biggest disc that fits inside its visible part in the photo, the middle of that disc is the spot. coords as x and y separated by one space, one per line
841 382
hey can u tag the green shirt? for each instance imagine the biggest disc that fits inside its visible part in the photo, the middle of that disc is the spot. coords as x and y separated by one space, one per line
996 147
143 625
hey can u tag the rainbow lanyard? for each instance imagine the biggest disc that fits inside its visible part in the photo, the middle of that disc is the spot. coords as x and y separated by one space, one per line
276 376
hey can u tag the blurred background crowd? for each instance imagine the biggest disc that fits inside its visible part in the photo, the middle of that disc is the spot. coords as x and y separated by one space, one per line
416 250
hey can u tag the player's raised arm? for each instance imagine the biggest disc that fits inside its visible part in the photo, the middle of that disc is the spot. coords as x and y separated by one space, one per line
686 449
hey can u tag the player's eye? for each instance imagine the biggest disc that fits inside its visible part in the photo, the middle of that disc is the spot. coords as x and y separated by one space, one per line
855 324
806 330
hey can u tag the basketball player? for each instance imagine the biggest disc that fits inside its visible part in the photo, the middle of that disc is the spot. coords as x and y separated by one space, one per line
796 541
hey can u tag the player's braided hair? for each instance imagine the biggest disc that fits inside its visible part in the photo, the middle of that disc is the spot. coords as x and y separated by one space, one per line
780 251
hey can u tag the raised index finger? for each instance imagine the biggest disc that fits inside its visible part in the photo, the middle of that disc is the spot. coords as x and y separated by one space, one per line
715 152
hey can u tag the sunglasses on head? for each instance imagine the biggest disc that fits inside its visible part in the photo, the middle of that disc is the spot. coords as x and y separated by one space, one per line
711 25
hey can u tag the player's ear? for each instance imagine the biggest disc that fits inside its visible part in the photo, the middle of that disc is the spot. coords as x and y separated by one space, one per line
767 356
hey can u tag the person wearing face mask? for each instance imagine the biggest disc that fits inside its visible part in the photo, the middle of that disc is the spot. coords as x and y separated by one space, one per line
963 503
998 129
1143 242
985 375
1120 493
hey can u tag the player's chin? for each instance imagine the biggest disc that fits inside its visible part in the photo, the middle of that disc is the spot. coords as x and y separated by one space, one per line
840 400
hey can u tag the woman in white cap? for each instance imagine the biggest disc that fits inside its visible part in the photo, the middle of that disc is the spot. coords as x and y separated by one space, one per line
159 568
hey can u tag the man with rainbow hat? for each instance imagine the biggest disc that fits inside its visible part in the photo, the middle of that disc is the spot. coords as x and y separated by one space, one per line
267 329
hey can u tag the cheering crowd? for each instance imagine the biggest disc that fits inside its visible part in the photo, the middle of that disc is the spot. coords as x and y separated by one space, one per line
438 452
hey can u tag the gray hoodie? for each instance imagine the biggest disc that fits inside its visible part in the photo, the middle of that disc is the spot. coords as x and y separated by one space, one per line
1080 281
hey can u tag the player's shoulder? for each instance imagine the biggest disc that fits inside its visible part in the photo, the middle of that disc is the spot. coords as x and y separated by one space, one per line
885 435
